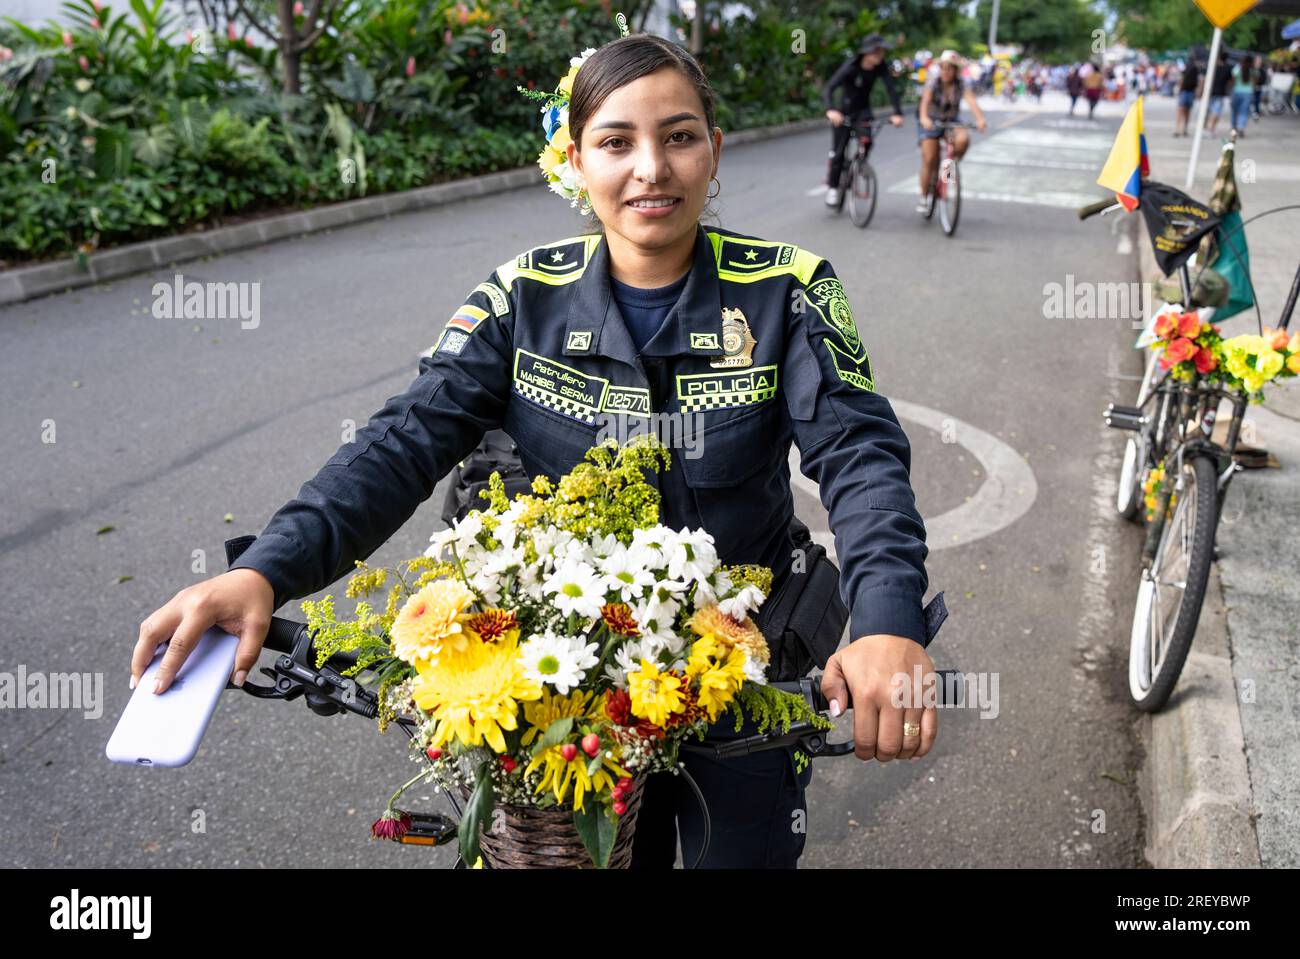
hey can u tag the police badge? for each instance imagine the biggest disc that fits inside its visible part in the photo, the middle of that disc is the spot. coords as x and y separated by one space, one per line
737 342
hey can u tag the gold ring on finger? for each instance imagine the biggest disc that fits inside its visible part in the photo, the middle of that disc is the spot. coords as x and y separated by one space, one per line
911 729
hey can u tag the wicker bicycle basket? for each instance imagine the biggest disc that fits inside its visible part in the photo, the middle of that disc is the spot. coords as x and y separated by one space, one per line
526 837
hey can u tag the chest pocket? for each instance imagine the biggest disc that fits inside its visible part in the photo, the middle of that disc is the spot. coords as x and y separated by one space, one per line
549 442
730 448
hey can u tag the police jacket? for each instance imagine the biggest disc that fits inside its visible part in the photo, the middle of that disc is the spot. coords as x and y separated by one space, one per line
760 349
856 84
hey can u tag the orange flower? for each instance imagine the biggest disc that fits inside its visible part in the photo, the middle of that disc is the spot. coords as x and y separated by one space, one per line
1189 325
1276 339
492 625
618 617
1205 360
1166 326
1180 350
710 620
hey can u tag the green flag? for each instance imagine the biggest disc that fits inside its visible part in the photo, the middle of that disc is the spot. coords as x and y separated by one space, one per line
1225 249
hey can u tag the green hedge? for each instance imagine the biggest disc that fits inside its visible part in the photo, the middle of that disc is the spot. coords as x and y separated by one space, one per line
116 127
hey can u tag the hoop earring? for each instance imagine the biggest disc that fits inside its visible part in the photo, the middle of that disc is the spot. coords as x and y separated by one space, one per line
714 196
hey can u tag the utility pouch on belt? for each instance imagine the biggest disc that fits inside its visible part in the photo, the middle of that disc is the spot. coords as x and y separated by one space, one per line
803 620
496 453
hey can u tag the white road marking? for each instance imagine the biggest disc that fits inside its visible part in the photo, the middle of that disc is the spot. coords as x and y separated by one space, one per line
1008 491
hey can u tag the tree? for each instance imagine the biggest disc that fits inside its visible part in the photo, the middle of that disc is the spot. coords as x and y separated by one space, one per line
293 39
1043 27
1174 25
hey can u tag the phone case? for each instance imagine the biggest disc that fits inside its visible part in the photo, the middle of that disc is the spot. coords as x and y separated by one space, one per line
166 729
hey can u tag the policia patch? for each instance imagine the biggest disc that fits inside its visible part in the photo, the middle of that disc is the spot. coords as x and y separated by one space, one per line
852 364
827 297
558 387
711 391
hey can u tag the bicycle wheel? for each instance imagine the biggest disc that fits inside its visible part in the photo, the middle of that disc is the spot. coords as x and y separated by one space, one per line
1172 591
1128 495
950 208
862 200
846 182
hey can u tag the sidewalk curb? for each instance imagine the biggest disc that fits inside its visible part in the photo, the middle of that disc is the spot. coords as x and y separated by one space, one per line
1194 782
28 282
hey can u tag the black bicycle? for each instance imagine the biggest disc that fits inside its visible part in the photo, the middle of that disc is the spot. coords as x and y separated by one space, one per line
1174 454
327 692
857 178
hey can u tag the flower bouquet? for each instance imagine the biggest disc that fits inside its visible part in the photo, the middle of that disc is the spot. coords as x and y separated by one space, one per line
1189 347
556 649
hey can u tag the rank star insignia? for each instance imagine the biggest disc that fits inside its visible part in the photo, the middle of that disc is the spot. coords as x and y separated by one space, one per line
737 342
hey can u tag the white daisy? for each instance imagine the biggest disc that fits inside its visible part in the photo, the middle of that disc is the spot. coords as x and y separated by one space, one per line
626 657
743 603
755 672
624 576
656 611
693 556
577 589
650 547
559 661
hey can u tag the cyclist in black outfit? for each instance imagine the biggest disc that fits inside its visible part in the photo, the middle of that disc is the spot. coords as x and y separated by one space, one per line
857 77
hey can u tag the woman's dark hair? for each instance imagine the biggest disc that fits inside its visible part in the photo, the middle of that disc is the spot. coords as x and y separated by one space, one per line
624 60
619 63
1246 67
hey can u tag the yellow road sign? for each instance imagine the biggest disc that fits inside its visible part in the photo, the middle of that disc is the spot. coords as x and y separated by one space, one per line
1223 12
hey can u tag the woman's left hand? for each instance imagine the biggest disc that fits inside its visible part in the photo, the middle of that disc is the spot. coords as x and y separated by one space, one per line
877 672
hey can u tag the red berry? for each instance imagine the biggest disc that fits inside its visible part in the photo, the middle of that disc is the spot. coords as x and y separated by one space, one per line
620 807
433 752
591 744
508 764
568 751
625 784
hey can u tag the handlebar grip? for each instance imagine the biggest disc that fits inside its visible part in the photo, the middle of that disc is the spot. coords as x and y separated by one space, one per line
1092 209
282 635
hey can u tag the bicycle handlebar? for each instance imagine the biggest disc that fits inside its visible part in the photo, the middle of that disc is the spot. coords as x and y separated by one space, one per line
328 692
1092 209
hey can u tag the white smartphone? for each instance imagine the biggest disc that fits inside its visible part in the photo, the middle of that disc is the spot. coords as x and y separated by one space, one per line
166 729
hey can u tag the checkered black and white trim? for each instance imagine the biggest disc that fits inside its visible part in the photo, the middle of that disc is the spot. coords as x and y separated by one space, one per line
578 411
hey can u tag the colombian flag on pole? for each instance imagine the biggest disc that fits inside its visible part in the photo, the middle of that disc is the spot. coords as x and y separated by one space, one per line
1127 163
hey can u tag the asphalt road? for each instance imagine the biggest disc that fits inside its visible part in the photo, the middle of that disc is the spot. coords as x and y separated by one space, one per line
163 427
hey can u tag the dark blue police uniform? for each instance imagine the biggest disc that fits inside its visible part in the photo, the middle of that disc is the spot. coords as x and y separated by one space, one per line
760 349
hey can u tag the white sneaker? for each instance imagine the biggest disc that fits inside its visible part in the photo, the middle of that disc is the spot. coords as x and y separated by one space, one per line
832 196
923 205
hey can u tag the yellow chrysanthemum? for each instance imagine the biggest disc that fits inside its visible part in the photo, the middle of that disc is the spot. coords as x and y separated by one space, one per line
558 774
718 670
560 141
552 706
427 620
744 634
1269 364
566 84
1293 361
475 695
656 693
718 686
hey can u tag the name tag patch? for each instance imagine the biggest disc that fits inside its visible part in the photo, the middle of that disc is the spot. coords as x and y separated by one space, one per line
558 387
709 391
632 400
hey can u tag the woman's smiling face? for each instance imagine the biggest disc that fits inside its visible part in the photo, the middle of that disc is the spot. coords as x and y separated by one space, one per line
649 139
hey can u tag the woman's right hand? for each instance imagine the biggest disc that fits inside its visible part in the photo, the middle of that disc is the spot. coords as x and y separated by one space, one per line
835 117
240 601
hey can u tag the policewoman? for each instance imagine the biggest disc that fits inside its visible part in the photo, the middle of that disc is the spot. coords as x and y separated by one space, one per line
749 342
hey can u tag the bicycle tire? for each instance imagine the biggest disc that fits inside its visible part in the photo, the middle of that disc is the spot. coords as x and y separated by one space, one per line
1128 494
951 209
862 208
1150 686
